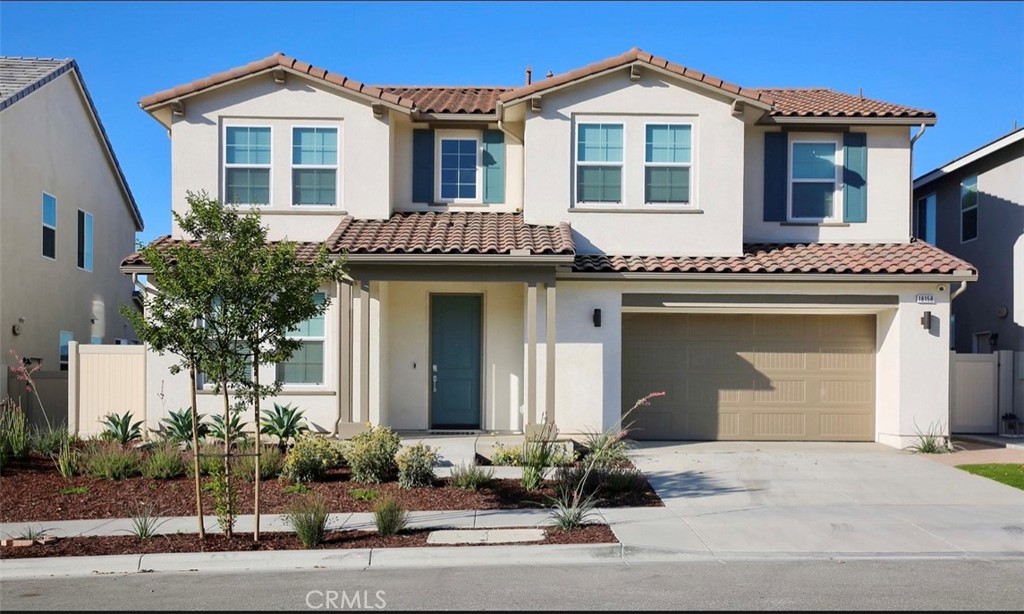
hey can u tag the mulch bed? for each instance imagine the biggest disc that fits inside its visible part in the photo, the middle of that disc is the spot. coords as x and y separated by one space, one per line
242 542
31 491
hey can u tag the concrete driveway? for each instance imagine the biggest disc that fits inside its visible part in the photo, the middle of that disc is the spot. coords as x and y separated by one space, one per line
731 498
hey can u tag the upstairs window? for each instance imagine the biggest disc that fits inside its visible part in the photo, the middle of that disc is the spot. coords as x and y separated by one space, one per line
458 169
65 340
814 193
306 366
599 163
668 156
315 166
924 219
49 226
969 209
247 165
84 240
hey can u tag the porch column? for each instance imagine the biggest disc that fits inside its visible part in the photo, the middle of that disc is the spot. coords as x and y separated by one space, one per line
344 355
531 354
361 369
549 344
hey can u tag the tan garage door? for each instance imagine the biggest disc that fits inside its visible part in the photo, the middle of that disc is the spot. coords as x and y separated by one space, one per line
750 377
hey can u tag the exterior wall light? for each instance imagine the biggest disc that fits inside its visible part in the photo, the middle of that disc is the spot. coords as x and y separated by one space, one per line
597 318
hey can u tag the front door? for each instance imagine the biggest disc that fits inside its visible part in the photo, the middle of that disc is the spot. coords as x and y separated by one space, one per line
455 361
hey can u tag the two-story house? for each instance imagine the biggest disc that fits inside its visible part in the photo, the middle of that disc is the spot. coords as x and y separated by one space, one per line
67 218
554 251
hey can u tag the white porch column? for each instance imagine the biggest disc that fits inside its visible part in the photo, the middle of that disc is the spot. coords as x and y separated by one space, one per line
549 343
531 355
361 353
344 355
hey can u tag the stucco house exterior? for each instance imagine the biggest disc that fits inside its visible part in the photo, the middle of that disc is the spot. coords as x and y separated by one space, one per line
551 252
68 217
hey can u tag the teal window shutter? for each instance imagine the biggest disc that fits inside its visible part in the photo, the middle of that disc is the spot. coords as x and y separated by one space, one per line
494 166
855 177
775 176
423 166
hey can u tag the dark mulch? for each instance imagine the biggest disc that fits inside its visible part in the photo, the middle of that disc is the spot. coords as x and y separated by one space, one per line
31 491
242 542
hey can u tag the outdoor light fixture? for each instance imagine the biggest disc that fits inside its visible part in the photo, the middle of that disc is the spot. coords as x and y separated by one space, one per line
926 320
597 318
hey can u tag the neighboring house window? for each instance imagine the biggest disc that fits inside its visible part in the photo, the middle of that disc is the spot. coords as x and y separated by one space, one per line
924 219
315 166
84 240
599 163
969 209
65 339
94 340
306 366
49 226
458 169
668 158
814 180
247 165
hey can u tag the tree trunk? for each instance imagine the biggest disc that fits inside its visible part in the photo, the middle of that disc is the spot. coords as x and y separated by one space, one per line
195 455
257 450
228 530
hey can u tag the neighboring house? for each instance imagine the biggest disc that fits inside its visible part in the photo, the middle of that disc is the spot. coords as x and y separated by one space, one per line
553 252
973 207
67 218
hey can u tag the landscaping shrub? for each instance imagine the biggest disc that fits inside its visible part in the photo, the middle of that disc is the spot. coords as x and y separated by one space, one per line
371 455
471 477
211 460
416 466
111 461
512 456
616 480
296 489
539 453
164 462
390 517
271 462
67 460
931 441
311 457
121 429
363 494
225 498
177 427
578 476
284 422
235 427
13 430
145 521
575 497
606 449
309 520
47 441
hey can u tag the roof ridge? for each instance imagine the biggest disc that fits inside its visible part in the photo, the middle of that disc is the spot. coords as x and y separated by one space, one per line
461 87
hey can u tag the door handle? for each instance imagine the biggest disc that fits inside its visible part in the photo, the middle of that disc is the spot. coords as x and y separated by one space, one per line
435 383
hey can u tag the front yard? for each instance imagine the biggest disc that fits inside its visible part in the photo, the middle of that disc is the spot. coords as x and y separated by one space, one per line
1011 474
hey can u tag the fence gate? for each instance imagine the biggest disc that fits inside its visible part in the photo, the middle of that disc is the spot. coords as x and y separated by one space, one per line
104 379
974 393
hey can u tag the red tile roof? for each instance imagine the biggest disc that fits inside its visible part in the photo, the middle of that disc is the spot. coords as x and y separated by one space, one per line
449 233
306 251
448 99
277 60
915 257
823 102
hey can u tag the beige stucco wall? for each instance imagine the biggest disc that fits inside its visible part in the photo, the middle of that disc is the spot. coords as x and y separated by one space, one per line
48 142
717 183
197 145
889 185
912 363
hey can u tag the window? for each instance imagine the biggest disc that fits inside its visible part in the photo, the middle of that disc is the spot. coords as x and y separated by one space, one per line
969 209
95 340
247 165
315 166
599 163
924 219
668 155
84 240
306 366
814 183
49 226
65 339
459 169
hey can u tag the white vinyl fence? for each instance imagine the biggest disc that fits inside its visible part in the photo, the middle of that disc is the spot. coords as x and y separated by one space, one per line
104 379
981 389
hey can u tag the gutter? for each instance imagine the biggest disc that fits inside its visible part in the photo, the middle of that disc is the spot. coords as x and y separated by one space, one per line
769 120
471 259
775 277
961 289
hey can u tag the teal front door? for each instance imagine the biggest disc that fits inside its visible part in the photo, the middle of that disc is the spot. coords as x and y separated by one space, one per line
455 361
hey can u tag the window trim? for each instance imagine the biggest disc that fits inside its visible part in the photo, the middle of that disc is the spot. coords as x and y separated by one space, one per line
64 361
459 135
838 163
323 340
292 166
690 204
977 216
42 212
929 234
88 251
225 166
576 163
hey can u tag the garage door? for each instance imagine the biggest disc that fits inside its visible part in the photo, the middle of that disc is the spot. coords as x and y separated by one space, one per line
750 377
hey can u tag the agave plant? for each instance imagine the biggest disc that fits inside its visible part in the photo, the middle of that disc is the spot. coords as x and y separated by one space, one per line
177 427
284 422
121 428
234 427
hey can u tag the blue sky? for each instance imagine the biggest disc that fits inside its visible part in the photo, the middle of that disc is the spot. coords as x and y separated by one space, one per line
963 60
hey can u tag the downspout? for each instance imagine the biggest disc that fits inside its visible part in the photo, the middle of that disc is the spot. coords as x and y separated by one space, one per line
920 132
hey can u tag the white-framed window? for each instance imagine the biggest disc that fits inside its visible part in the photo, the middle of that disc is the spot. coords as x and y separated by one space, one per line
84 240
668 160
969 209
247 164
924 218
49 226
815 192
66 337
314 166
306 366
459 172
599 158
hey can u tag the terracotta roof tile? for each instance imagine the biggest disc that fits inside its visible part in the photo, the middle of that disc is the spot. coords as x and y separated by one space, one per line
823 102
449 99
449 233
307 251
861 258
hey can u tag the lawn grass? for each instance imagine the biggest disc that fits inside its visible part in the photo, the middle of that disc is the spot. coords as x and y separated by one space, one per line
1011 474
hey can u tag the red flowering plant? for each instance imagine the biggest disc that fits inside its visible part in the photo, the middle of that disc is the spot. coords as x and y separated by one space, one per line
24 370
